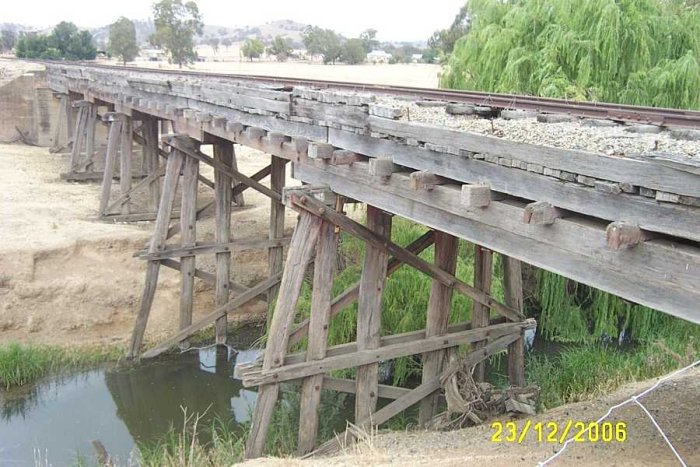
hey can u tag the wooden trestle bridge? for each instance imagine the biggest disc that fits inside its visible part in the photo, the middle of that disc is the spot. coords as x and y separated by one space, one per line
626 225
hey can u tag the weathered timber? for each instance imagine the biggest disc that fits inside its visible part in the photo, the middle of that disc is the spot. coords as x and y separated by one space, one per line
369 311
255 377
160 230
602 166
113 140
425 180
311 205
239 177
349 295
575 248
224 155
151 156
188 239
382 167
126 155
414 396
302 246
541 213
239 244
78 138
513 292
650 215
483 267
207 277
476 196
621 235
324 269
206 320
277 211
438 316
349 386
343 157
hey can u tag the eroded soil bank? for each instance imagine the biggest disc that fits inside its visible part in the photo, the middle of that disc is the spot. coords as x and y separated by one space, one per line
69 279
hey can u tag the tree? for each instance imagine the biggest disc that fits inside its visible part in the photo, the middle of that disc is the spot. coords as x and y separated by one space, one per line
122 40
214 43
354 51
64 42
368 40
445 39
281 48
8 39
325 42
595 50
252 48
226 42
176 25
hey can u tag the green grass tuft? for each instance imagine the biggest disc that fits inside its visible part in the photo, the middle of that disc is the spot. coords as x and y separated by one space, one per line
22 364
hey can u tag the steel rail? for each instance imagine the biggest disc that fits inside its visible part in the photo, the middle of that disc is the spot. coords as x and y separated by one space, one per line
602 110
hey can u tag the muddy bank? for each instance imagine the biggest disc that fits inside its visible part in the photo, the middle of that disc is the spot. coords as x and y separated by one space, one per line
68 279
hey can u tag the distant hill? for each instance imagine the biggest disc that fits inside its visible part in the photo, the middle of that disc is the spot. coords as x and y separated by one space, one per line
265 32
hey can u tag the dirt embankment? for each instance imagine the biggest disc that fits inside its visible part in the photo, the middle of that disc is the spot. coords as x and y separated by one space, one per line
674 405
68 279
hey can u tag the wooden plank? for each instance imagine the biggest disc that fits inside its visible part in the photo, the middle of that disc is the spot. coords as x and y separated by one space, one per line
438 316
113 140
240 244
369 311
654 259
350 386
481 315
150 153
206 320
126 152
207 277
275 255
58 139
304 202
410 398
513 291
637 171
303 244
230 172
188 239
324 270
123 198
78 138
650 215
541 213
338 114
621 235
172 174
349 295
90 137
256 377
575 249
224 155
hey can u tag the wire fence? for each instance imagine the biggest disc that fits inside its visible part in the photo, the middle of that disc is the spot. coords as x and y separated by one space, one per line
634 399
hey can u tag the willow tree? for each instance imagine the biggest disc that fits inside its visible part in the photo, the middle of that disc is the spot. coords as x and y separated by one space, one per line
642 52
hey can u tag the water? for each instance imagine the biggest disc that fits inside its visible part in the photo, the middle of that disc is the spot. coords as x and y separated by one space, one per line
57 419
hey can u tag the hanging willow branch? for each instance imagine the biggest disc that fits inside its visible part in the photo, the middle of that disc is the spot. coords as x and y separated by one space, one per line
642 52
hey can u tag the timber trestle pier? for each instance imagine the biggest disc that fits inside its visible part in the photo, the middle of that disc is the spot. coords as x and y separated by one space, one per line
628 224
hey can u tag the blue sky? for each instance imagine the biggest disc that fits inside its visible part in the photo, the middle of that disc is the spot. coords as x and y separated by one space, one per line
394 19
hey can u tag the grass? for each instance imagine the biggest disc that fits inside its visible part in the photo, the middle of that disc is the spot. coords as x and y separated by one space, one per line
592 370
184 448
22 364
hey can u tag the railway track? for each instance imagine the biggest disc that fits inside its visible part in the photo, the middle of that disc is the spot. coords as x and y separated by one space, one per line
619 112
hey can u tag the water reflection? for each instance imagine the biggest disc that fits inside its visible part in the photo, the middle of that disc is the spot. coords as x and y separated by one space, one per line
120 406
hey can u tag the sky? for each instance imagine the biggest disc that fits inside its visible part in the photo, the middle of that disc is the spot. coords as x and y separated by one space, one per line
398 20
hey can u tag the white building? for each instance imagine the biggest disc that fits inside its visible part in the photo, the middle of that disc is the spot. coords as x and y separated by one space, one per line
378 56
